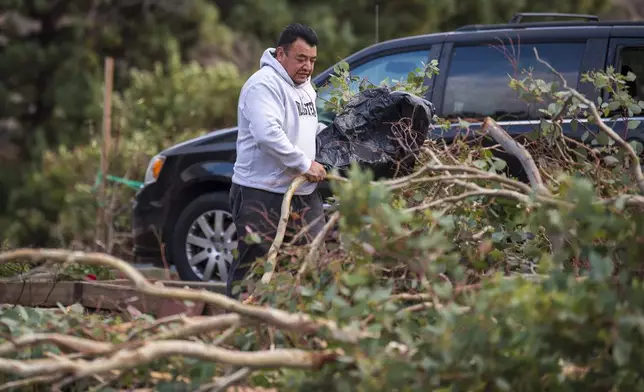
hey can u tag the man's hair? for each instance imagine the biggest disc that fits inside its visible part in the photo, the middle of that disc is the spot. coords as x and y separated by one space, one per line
294 31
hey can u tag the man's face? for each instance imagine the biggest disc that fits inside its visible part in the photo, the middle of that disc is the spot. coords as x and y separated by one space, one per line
298 60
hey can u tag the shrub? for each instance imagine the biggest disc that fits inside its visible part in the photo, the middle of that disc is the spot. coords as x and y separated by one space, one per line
454 278
57 204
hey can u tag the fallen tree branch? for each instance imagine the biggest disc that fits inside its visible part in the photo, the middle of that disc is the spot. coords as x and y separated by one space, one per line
209 324
482 192
61 341
518 151
281 228
127 359
313 255
298 322
471 177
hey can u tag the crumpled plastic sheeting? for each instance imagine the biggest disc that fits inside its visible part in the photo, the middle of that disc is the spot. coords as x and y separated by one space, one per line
366 132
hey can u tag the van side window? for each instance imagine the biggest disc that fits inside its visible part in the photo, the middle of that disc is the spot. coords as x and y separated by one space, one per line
393 67
631 59
478 78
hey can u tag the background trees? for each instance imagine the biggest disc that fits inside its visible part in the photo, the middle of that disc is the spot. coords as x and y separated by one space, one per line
51 61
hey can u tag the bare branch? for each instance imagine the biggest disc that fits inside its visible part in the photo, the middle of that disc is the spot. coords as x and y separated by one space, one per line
482 192
291 321
410 297
314 253
281 228
513 147
206 325
61 341
126 359
471 177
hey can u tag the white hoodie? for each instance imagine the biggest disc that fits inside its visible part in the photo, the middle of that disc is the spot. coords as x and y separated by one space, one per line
277 128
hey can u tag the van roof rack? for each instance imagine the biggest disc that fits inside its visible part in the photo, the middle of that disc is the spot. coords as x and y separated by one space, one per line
515 22
520 15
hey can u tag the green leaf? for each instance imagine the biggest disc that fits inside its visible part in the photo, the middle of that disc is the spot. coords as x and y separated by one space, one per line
77 308
443 290
601 268
253 238
574 124
353 280
637 146
635 109
307 291
630 76
633 124
502 384
585 136
621 352
533 135
582 151
498 236
499 164
620 202
610 160
602 138
554 108
479 163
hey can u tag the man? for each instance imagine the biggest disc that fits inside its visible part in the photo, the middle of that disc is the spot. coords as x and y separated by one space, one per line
277 128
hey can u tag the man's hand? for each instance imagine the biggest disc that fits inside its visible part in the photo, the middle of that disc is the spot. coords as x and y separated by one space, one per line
316 173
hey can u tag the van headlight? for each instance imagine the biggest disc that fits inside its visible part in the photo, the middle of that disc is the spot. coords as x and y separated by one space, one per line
154 168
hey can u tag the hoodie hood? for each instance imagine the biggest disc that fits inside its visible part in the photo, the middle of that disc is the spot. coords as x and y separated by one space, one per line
268 60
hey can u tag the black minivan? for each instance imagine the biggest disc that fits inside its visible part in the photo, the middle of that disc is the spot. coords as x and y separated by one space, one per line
183 210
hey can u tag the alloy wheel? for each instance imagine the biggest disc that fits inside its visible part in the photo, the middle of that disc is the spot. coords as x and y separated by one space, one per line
210 242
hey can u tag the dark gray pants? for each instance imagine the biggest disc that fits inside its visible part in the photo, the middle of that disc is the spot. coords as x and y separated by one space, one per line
259 211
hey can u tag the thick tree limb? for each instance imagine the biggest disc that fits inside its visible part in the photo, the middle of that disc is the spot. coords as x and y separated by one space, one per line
290 321
513 147
127 359
61 341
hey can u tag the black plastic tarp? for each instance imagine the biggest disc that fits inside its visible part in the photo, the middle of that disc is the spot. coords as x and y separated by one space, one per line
377 128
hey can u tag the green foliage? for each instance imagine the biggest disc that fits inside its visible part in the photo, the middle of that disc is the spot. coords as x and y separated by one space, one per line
342 85
557 331
57 204
347 26
484 293
515 297
174 98
170 373
52 100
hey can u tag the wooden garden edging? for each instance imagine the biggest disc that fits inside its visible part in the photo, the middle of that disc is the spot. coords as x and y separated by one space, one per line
111 295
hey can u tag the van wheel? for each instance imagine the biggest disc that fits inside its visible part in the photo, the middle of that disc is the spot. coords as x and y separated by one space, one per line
203 239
